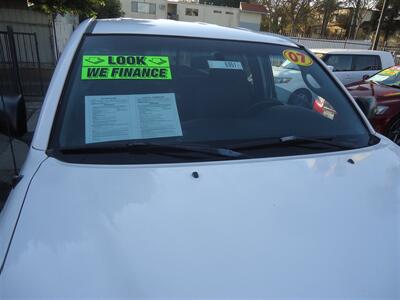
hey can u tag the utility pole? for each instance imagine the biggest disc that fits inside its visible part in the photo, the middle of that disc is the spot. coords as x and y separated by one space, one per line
378 29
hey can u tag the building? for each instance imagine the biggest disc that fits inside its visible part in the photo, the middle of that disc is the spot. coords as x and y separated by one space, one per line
39 39
247 15
251 15
51 34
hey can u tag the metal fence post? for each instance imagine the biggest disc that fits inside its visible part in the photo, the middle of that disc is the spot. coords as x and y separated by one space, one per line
14 59
53 21
39 65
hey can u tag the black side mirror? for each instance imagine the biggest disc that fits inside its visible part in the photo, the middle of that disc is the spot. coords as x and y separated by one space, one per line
368 105
12 115
365 77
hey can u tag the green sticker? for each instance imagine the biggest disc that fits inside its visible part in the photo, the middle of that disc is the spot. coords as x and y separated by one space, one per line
96 67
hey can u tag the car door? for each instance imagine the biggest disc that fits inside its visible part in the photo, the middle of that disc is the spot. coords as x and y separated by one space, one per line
365 65
342 66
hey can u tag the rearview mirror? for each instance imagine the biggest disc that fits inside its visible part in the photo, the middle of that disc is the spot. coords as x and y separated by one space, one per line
12 115
368 105
365 77
331 68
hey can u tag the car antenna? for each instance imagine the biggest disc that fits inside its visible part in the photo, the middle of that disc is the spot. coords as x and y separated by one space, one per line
10 140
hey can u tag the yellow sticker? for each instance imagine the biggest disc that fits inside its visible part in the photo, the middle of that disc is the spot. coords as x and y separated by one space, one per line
389 72
298 57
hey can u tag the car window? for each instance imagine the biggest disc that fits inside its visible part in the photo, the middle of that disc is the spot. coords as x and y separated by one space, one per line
288 65
389 76
124 88
340 62
366 62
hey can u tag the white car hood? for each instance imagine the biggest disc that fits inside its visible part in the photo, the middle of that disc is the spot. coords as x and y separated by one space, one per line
301 227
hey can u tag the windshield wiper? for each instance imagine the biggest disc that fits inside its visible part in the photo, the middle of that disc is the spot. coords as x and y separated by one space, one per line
148 147
291 141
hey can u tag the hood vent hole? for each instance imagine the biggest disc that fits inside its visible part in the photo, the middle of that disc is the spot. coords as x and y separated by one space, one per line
351 161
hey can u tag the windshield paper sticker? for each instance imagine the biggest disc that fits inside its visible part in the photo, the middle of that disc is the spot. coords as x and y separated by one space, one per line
127 117
111 67
390 72
222 64
298 57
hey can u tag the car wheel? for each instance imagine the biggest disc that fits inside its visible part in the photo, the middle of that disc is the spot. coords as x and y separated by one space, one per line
393 132
301 97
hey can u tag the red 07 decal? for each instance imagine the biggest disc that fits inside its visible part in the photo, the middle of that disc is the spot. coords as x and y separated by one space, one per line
298 57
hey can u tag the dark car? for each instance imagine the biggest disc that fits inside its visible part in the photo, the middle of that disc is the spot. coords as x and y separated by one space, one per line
385 87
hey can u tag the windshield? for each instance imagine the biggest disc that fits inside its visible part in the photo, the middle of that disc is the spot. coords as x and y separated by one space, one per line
176 91
289 65
390 76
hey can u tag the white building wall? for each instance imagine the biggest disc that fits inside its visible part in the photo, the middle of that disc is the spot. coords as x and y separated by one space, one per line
64 26
30 21
160 11
250 20
220 15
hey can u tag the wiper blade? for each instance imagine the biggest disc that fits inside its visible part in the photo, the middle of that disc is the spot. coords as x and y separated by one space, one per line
147 147
291 141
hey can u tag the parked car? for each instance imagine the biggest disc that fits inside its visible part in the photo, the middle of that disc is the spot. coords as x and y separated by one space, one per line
351 65
290 85
385 87
166 165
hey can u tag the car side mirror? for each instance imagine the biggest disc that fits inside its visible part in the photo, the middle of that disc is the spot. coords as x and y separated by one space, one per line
12 115
331 68
368 105
365 77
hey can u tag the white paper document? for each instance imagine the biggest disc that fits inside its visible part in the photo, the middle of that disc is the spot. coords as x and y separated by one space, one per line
126 117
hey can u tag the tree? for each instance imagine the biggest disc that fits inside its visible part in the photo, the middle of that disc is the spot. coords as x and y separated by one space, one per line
327 8
80 7
391 22
230 3
110 9
295 9
361 9
276 14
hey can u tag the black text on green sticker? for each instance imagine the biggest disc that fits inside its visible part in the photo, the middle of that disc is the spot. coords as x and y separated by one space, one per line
96 67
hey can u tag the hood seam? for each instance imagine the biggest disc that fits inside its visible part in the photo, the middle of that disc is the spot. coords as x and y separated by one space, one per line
19 214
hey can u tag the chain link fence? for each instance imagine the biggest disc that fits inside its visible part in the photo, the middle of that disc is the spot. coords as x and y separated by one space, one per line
317 43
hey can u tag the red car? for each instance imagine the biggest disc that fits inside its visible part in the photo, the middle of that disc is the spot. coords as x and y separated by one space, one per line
385 87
